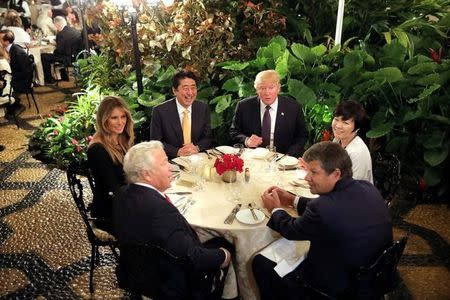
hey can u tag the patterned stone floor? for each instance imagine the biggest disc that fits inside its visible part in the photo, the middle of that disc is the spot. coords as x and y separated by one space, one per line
44 252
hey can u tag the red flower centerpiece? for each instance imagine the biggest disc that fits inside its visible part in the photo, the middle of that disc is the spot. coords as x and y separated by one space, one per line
227 165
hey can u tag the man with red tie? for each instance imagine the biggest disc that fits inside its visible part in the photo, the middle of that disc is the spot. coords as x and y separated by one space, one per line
270 119
143 214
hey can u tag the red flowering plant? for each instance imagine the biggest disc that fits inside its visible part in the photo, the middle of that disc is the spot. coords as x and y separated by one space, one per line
228 162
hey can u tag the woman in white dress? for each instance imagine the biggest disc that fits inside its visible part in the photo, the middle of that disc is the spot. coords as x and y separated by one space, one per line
349 116
45 22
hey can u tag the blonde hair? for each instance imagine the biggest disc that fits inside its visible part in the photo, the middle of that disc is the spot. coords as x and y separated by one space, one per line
270 76
103 134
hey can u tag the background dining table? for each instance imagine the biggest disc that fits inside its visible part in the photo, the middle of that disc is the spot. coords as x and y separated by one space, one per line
37 49
214 199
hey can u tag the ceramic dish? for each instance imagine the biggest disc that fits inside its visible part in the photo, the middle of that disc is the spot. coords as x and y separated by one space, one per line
245 216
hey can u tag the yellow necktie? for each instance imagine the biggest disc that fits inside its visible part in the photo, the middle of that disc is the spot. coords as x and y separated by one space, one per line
186 127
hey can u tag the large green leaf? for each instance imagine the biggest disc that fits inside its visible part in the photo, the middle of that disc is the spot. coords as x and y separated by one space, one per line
353 60
223 102
301 92
303 52
435 156
380 130
280 41
429 80
167 75
282 64
206 93
388 74
319 51
422 68
238 66
151 100
232 84
425 93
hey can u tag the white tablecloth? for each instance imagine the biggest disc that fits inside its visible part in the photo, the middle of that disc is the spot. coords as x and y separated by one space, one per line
214 203
36 51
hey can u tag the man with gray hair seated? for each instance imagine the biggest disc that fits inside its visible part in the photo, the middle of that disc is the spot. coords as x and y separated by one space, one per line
68 44
143 214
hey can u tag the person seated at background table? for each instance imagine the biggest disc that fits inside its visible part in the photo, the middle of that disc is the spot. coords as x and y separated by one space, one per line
45 22
348 225
269 117
5 83
68 44
14 23
21 66
114 136
143 214
349 117
23 10
182 124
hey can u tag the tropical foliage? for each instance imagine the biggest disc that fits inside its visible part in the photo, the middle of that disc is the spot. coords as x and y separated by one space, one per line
394 60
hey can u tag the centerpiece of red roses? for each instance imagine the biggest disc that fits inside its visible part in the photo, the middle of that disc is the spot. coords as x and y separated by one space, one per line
227 165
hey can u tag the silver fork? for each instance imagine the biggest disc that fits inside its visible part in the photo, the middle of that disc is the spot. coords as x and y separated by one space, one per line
188 204
232 215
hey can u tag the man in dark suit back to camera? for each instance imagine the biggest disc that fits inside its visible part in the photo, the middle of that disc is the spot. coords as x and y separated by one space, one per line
21 67
68 44
143 214
267 118
348 226
182 124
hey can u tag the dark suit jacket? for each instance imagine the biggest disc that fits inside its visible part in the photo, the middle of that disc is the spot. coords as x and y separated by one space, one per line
142 215
166 126
68 44
347 228
21 68
290 133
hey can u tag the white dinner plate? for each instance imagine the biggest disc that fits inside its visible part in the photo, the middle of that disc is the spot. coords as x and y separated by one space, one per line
227 149
245 216
288 161
260 152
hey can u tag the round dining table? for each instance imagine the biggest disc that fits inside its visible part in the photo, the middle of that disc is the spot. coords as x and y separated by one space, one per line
211 200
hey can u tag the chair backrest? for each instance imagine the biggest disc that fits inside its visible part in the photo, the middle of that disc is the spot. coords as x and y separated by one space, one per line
381 276
386 173
76 189
139 268
152 271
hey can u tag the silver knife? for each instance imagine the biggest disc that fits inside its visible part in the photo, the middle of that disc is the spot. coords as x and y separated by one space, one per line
232 215
255 217
179 193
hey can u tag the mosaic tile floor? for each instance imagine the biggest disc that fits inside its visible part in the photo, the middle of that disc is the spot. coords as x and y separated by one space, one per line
44 252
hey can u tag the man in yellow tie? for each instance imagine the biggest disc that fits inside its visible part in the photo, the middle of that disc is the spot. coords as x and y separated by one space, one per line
182 124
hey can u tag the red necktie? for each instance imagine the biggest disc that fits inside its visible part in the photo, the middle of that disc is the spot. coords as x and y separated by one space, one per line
167 198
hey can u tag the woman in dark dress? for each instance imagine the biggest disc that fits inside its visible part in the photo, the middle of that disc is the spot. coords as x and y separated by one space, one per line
114 136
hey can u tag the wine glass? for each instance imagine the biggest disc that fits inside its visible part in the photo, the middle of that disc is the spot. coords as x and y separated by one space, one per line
271 157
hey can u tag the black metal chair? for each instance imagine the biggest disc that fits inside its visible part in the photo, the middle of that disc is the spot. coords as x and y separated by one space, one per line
97 237
28 89
144 269
386 174
373 281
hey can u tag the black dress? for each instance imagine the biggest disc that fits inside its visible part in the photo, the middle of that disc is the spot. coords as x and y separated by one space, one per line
108 178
